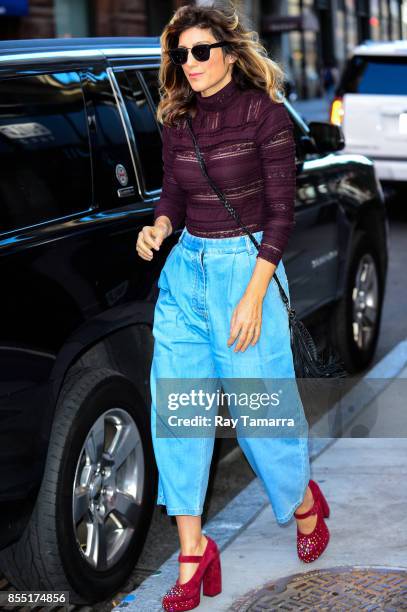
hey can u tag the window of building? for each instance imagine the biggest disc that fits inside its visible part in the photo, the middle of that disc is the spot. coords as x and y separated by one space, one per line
44 149
384 21
351 26
374 20
395 19
71 18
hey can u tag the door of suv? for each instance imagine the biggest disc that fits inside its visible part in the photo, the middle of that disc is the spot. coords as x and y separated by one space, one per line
45 192
138 96
311 256
127 177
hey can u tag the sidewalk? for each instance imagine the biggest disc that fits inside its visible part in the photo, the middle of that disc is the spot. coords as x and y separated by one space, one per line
364 480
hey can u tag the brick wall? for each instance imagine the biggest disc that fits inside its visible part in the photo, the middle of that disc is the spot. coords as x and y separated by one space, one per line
108 18
120 18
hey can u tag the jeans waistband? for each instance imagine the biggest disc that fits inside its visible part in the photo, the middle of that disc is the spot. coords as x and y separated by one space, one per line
234 244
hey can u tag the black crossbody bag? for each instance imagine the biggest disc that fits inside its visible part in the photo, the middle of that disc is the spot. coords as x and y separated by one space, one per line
307 363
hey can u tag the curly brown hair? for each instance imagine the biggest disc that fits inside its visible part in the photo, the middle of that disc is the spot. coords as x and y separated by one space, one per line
252 68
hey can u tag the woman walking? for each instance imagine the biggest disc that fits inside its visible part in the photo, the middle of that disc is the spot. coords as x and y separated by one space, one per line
215 287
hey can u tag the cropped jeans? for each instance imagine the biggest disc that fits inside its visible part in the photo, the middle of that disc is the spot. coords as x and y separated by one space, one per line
201 283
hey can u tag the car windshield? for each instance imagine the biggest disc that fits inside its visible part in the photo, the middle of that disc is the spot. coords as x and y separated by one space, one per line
375 75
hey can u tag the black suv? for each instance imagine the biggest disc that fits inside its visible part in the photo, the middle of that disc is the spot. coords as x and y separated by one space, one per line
81 171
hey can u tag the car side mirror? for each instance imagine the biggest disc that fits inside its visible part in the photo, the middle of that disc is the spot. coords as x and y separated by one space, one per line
327 136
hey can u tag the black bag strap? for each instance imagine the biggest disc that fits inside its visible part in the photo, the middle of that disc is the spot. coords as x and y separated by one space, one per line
232 211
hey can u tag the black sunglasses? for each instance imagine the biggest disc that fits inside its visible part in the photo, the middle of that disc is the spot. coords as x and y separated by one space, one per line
200 52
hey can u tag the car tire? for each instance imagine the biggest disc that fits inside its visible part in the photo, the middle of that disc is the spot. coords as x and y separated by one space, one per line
51 554
355 319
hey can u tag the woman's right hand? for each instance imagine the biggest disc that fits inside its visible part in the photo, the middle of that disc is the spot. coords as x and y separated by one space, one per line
151 237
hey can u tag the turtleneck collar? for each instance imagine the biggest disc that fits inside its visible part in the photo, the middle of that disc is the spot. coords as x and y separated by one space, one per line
219 100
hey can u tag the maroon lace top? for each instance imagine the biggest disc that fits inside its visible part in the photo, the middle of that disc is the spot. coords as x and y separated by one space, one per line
248 146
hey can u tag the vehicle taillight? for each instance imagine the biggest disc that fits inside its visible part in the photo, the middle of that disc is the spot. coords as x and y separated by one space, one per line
337 111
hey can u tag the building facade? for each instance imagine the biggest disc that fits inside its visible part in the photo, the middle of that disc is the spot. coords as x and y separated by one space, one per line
49 18
311 38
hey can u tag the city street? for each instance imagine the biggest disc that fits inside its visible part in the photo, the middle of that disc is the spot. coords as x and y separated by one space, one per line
138 141
232 474
232 480
232 477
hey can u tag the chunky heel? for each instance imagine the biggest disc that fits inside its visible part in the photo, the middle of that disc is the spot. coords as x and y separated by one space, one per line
186 596
310 546
212 580
324 505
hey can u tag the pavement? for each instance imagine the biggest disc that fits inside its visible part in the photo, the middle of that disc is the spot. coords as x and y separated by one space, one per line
364 480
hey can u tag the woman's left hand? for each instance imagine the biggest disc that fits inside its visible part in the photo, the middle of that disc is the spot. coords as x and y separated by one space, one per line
246 321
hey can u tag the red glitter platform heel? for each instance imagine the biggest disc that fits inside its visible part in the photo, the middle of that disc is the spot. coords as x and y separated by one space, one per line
310 546
186 596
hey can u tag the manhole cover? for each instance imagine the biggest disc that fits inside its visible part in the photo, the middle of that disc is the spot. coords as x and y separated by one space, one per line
338 588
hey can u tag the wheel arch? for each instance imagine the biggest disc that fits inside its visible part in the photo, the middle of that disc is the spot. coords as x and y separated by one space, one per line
370 219
116 339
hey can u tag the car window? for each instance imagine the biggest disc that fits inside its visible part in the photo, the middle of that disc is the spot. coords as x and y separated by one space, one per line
151 79
375 75
44 149
145 128
115 179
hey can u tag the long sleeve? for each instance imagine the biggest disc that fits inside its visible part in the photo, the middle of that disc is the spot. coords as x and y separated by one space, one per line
172 202
276 144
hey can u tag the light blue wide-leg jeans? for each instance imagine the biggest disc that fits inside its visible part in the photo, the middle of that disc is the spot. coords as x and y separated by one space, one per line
201 283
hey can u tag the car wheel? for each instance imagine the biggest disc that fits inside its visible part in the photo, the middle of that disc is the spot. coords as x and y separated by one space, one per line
97 494
356 317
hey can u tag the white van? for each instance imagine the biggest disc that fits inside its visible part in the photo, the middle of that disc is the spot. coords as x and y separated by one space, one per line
370 104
